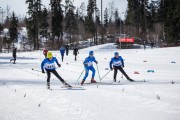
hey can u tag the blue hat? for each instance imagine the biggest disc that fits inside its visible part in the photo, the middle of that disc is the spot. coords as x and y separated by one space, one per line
116 53
91 53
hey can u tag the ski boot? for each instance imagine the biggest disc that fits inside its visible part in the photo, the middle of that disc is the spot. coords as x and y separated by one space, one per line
114 80
93 81
48 85
67 85
82 82
131 80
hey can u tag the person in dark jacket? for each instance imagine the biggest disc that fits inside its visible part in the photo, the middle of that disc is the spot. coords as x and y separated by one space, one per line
14 55
118 64
67 49
152 45
75 53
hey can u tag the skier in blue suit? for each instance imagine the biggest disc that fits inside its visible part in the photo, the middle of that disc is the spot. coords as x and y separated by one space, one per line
117 63
49 65
62 51
88 65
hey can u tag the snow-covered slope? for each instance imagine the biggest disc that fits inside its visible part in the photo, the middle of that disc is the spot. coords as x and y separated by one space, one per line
24 95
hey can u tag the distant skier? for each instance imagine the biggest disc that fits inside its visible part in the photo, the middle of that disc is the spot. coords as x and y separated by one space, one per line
49 65
144 44
152 45
14 55
88 64
118 64
75 53
67 49
45 52
62 51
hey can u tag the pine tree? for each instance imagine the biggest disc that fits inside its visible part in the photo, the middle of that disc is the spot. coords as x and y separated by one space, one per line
1 28
137 17
70 19
57 19
13 30
44 24
34 21
106 16
81 20
171 21
90 26
117 19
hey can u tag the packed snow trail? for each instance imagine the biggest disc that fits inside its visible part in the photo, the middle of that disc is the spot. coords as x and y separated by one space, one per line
24 95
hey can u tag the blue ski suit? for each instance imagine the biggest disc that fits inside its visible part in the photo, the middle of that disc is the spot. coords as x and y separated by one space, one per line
88 64
62 51
49 66
116 62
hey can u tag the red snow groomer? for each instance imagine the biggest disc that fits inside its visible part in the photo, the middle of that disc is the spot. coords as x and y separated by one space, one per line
126 40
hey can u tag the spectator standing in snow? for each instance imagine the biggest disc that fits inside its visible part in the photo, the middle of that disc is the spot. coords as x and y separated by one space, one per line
67 49
14 55
117 63
62 51
75 53
49 65
45 52
88 65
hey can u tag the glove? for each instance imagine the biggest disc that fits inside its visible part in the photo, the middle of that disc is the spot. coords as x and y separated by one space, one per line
111 68
96 62
86 64
59 65
43 71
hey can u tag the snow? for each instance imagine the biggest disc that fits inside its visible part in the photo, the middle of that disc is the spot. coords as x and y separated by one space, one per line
24 95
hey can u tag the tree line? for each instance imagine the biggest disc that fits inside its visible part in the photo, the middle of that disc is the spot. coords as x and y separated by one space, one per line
155 20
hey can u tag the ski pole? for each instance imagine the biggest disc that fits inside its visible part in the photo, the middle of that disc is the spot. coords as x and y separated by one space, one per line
79 76
105 75
98 72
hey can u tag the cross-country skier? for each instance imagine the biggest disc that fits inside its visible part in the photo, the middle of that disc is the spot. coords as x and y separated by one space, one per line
62 51
117 63
152 45
144 44
49 65
88 65
75 53
14 55
45 52
67 49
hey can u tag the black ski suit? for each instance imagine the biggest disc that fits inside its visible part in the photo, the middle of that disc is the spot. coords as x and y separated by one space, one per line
75 53
67 49
14 55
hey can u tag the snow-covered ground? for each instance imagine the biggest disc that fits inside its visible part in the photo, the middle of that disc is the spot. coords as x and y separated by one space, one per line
24 95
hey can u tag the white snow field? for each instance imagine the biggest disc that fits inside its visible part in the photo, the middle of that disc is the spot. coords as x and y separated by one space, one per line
23 93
